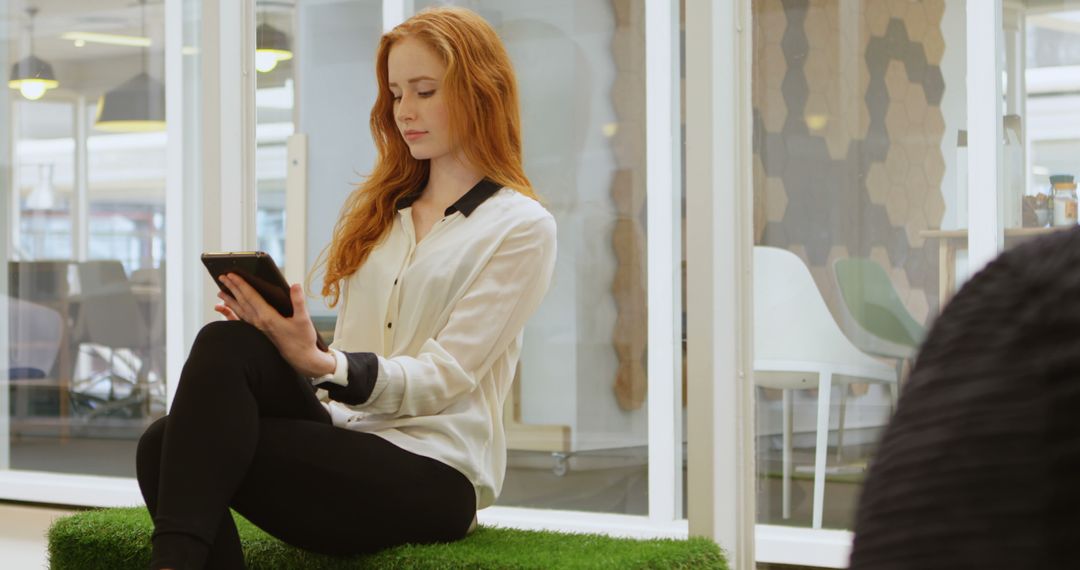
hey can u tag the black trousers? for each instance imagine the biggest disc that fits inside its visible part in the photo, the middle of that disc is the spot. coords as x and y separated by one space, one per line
246 431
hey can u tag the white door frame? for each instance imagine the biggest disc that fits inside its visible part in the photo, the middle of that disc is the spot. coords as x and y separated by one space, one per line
719 240
664 271
984 96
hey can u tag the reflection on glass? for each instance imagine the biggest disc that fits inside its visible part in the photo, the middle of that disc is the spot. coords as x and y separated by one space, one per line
275 113
1047 43
576 418
576 421
858 190
44 179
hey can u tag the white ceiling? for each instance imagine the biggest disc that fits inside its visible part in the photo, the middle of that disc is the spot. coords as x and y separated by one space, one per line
56 17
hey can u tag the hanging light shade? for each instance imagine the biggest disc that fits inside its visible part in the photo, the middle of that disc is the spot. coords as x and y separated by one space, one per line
32 76
271 46
135 106
138 105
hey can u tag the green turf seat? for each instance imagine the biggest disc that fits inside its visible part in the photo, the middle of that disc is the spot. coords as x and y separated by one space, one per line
116 539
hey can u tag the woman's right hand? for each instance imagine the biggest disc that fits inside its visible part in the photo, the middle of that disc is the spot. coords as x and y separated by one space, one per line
224 310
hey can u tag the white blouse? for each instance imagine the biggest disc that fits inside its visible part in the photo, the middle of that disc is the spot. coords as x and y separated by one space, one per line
444 318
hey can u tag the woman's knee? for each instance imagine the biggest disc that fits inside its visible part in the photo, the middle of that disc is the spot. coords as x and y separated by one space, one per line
231 338
148 451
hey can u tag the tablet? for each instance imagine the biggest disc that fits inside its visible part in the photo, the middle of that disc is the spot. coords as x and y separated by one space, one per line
262 273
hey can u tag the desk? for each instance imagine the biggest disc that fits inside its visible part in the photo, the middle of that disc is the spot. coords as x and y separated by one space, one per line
950 241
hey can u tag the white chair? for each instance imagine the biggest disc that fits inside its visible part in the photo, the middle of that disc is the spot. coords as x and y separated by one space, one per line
799 346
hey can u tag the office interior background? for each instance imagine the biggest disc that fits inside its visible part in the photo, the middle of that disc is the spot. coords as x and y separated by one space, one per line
888 149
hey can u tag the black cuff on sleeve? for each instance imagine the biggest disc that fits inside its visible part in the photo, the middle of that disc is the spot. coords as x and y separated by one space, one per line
363 372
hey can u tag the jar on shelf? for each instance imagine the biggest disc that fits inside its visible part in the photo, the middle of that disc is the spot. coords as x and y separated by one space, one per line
1063 191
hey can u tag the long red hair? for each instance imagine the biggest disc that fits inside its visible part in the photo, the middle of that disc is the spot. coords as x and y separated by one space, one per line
485 123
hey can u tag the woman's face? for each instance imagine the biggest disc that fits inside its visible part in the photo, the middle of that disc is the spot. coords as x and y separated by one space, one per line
416 75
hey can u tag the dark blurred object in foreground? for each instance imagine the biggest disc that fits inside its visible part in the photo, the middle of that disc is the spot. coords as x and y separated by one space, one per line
980 466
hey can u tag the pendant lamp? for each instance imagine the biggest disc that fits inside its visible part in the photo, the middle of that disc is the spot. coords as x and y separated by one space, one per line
32 76
137 105
271 46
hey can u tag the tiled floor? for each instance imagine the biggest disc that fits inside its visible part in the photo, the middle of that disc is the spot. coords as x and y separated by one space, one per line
22 535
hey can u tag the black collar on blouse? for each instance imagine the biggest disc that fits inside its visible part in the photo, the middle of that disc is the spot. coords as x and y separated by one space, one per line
466 204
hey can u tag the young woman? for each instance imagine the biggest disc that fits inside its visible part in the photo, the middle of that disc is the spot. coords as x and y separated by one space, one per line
437 261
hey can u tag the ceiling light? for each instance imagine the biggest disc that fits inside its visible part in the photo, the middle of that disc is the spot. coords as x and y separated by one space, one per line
110 39
137 105
31 75
271 46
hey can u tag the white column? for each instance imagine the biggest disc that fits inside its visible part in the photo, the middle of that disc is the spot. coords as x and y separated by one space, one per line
984 94
664 263
228 158
228 130
719 202
296 199
236 123
176 308
80 206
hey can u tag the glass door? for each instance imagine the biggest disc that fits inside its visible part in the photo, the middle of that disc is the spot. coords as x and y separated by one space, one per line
86 253
578 418
861 212
94 203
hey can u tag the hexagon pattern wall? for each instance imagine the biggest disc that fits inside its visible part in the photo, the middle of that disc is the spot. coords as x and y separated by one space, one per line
847 136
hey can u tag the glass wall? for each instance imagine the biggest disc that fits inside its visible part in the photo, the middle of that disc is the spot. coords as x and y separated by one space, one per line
275 115
334 85
859 112
85 223
577 425
1044 90
577 420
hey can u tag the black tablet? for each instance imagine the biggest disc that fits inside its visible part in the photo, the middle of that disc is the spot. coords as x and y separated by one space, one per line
261 272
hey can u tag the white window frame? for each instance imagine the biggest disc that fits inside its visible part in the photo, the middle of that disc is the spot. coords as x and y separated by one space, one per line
719 222
985 38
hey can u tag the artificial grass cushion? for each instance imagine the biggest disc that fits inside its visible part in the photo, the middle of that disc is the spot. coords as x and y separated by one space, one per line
116 539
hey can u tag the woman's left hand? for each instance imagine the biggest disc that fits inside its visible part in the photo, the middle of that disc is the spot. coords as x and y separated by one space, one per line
294 336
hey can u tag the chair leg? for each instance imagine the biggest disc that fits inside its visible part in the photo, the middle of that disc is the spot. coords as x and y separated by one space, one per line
822 447
112 374
787 421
